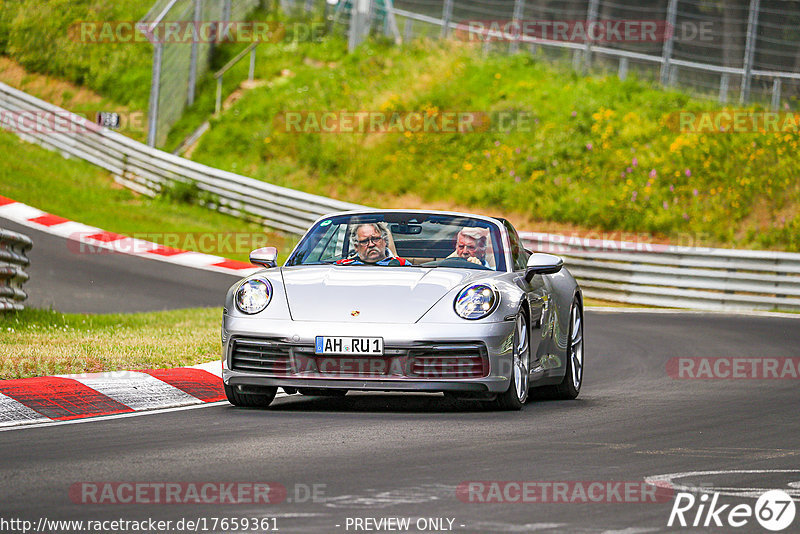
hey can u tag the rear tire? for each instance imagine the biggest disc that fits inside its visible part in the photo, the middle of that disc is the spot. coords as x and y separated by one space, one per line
570 387
517 393
262 399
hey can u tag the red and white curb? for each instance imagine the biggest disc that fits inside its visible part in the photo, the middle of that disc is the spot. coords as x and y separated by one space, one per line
27 401
97 238
49 399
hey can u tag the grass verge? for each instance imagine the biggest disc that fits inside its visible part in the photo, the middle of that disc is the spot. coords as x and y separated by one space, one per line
44 342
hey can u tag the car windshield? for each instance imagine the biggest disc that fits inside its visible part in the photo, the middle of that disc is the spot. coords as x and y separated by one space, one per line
402 239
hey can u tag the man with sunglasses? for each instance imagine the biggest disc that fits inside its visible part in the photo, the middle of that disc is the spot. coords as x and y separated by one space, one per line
370 243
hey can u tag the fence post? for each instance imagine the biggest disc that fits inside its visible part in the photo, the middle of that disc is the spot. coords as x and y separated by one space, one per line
447 14
749 50
723 88
359 15
408 30
666 51
155 89
252 73
591 17
776 94
519 7
193 57
218 101
623 68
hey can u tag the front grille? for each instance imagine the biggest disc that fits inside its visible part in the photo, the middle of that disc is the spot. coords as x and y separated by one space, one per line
449 361
429 360
261 355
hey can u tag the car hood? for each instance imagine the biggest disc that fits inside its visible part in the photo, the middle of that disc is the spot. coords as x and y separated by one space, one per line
368 294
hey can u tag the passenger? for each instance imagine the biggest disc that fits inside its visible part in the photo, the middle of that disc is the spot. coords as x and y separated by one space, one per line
370 241
471 243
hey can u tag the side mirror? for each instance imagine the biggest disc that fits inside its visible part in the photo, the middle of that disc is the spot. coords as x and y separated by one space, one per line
266 256
541 263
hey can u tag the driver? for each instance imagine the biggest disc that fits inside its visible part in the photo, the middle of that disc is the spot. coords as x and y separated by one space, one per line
471 245
369 241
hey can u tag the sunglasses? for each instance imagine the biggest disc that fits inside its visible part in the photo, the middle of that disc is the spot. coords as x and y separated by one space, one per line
374 240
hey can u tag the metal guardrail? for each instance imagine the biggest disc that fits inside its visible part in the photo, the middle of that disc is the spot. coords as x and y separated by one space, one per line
700 278
675 276
13 261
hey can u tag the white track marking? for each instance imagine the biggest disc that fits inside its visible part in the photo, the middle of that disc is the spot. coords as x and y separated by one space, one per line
20 212
109 417
669 480
23 425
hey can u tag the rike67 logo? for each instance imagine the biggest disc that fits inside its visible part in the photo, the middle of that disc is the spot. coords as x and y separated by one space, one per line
774 510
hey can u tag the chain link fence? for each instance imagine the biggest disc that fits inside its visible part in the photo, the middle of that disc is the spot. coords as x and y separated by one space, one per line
741 51
733 50
178 64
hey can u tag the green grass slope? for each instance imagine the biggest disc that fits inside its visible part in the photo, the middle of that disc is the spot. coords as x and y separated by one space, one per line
600 153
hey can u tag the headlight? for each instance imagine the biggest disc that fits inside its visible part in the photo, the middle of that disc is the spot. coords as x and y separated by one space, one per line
476 301
253 296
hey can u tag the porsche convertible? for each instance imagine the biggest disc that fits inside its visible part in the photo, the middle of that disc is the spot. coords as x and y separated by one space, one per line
405 301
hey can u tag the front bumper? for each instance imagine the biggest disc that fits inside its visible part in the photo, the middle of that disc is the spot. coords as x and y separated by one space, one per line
468 357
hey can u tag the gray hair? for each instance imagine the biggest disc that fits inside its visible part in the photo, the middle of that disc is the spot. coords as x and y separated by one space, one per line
378 226
481 235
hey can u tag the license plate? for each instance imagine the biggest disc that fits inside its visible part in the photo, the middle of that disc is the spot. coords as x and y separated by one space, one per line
369 346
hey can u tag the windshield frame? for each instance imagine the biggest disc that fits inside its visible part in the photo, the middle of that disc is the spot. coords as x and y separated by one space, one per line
497 229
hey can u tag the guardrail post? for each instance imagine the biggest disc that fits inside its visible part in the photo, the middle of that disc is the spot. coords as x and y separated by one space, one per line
12 262
519 9
666 51
724 82
252 72
155 90
218 104
776 94
591 17
193 57
622 73
447 14
749 50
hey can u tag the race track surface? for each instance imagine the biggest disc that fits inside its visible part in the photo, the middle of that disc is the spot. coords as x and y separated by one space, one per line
70 282
393 456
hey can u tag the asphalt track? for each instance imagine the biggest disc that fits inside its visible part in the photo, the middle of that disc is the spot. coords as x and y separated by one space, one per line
67 281
392 456
381 455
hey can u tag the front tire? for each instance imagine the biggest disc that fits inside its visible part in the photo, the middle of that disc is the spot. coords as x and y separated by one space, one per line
517 393
570 387
261 397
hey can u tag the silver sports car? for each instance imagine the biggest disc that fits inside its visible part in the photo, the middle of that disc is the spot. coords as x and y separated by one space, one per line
392 300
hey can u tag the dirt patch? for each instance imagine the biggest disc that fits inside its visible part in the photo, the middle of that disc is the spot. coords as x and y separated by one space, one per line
59 92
